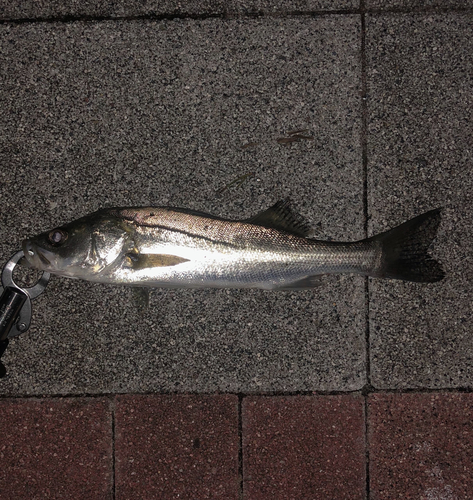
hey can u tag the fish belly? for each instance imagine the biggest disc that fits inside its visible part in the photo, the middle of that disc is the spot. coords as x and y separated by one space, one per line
247 268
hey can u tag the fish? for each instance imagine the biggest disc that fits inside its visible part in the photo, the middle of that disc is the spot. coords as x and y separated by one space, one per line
274 250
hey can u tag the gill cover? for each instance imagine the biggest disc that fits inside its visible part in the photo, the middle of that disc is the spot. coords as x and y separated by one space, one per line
80 249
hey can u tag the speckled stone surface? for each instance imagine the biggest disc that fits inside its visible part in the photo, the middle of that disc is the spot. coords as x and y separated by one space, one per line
143 113
420 157
421 446
303 447
56 448
176 447
418 4
47 9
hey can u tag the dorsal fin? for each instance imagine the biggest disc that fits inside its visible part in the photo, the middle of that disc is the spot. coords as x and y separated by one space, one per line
281 216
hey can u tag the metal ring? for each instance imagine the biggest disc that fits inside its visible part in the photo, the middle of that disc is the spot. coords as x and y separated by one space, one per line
7 277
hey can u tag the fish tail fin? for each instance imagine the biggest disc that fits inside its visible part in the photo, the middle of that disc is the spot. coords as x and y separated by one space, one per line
404 250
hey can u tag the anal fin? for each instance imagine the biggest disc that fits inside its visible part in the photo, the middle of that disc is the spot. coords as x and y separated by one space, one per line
302 284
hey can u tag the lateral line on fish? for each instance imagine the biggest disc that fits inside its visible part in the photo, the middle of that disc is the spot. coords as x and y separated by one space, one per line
191 235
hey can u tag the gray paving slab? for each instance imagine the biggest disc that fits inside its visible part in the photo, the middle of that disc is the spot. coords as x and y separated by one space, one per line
418 4
420 157
169 113
33 9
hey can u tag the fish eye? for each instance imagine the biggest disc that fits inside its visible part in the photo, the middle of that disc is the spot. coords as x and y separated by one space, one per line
57 237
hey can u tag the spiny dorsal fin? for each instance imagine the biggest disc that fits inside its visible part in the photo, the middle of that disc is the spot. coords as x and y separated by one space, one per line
281 216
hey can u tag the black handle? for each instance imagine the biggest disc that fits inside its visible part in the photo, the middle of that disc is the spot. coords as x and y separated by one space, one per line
11 302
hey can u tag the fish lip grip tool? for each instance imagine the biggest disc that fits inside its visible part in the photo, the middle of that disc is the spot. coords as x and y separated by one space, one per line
15 305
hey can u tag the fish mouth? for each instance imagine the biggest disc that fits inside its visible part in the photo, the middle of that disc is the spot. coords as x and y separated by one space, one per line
33 257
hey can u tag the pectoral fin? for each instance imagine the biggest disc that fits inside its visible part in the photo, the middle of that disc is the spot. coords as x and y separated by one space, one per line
140 297
144 261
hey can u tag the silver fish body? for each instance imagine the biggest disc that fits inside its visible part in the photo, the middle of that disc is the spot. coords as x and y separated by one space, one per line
168 247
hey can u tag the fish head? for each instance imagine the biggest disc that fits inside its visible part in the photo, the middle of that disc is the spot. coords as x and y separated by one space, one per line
85 248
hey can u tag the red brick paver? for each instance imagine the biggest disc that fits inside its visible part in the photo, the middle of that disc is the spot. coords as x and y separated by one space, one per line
421 446
304 447
55 449
171 447
186 446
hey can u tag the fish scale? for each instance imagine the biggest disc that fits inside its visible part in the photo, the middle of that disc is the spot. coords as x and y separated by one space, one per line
258 254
